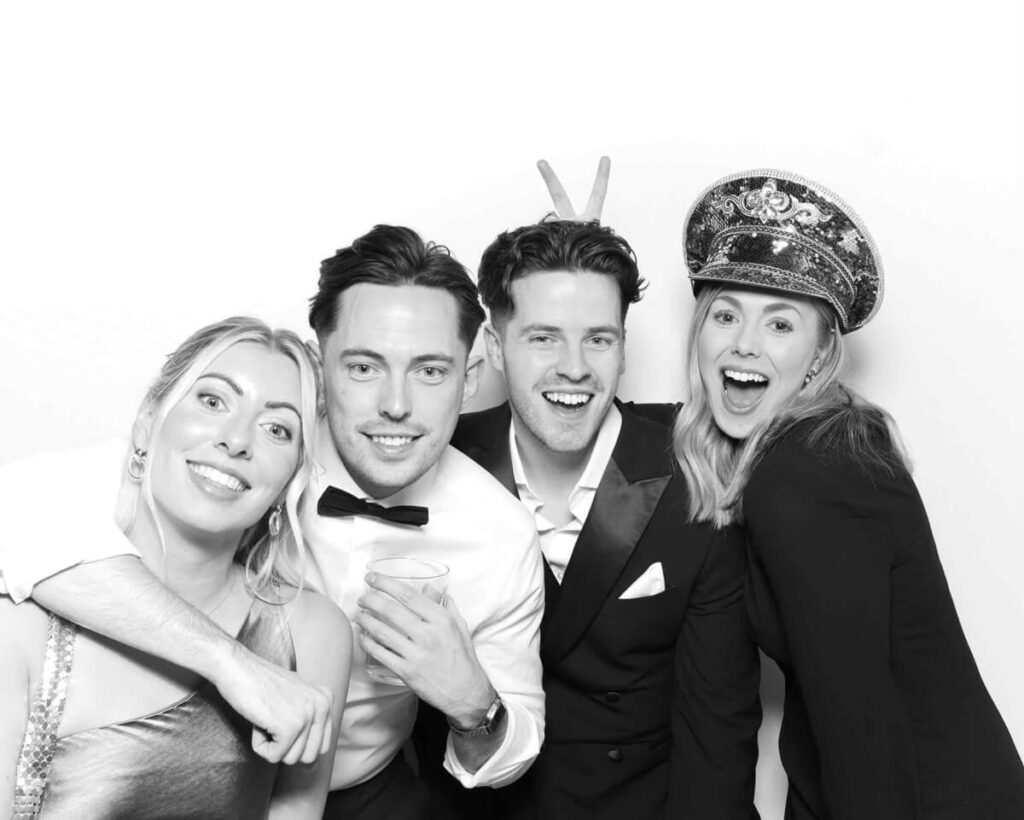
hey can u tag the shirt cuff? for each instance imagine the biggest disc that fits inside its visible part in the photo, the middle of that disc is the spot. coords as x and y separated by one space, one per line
23 570
55 529
523 736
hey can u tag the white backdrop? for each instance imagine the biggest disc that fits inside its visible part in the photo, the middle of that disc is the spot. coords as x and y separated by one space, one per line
168 166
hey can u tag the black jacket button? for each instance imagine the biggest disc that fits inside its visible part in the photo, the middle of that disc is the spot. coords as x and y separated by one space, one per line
615 756
613 697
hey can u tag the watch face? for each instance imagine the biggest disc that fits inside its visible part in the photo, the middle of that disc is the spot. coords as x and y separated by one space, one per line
494 715
495 712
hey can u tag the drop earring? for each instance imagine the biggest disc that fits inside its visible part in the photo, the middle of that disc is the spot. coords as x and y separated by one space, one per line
274 522
137 465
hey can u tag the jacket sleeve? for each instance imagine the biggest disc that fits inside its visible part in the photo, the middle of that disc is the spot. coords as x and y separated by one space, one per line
822 529
61 513
716 706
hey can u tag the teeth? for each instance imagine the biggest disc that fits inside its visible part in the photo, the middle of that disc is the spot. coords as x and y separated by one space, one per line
215 476
392 441
570 399
738 376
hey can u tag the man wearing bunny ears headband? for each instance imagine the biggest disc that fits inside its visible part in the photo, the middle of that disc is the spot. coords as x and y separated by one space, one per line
650 676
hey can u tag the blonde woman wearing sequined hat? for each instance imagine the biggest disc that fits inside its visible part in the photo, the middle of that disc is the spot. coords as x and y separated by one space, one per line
886 715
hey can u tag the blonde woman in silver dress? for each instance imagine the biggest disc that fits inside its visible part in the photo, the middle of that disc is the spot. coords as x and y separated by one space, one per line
217 463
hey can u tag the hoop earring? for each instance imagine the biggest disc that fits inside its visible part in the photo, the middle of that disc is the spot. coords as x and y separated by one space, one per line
274 522
137 465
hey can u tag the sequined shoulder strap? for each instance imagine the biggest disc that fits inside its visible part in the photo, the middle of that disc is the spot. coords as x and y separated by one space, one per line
44 719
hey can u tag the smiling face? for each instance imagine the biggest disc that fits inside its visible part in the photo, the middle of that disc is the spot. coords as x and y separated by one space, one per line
226 451
396 377
754 350
561 352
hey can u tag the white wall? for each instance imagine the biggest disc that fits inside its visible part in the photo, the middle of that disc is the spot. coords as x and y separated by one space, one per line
165 168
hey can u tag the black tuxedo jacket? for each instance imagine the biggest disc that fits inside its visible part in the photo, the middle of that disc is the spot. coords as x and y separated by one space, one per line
652 703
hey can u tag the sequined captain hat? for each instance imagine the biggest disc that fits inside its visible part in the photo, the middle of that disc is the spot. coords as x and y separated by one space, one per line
776 230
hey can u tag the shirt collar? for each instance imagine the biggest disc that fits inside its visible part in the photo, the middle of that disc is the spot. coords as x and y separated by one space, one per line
604 444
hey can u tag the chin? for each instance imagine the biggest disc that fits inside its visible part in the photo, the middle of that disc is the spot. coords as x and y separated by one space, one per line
573 443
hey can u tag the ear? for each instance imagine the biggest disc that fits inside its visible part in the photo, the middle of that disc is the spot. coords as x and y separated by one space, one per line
495 355
142 428
474 372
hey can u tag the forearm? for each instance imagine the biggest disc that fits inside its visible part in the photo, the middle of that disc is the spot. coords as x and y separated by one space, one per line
119 598
474 752
510 750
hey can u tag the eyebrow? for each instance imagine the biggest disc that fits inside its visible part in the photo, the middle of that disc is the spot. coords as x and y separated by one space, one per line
282 405
611 329
366 353
230 382
270 405
769 308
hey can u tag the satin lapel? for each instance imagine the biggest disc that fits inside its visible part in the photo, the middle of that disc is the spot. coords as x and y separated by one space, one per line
616 521
483 436
498 462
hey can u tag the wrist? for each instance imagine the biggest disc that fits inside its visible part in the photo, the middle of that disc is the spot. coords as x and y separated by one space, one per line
219 657
479 721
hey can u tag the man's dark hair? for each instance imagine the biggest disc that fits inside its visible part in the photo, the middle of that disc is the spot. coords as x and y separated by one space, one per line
393 255
556 245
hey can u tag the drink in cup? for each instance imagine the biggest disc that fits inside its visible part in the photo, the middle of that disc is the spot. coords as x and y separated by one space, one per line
427 577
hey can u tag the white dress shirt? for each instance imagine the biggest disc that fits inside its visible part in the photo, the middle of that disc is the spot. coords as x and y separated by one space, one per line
484 536
495 578
559 542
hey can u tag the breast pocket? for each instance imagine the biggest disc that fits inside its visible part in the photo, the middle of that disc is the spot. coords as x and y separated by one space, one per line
662 603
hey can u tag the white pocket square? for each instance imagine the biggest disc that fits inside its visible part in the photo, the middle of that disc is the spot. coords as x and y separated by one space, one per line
650 583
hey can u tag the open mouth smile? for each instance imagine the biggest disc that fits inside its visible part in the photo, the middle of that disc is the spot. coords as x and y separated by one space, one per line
567 401
391 442
218 478
743 389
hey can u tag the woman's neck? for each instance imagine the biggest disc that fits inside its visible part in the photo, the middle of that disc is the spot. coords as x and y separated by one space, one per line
200 570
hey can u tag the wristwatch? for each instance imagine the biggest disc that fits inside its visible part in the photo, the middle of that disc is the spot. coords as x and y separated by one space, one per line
495 713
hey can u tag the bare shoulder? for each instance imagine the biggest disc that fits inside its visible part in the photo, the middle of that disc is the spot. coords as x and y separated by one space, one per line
322 639
316 613
23 629
22 626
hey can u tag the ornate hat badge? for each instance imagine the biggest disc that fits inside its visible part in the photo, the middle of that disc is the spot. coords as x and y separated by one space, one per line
776 230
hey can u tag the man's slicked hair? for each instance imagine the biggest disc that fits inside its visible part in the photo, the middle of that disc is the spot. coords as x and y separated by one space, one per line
551 246
393 255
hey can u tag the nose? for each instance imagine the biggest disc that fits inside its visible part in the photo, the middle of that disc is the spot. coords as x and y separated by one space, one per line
572 363
747 341
395 402
236 437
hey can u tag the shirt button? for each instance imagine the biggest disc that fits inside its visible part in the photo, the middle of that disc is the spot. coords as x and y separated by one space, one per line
615 756
612 697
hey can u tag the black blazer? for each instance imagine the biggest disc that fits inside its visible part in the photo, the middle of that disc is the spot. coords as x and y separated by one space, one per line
886 716
652 703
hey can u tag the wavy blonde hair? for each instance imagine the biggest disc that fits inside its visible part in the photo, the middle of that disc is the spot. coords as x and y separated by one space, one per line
717 467
266 559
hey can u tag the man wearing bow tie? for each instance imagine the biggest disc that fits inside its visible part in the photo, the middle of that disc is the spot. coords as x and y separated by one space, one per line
651 678
395 318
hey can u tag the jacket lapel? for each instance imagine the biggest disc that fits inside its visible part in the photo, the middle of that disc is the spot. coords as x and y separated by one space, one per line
637 474
483 436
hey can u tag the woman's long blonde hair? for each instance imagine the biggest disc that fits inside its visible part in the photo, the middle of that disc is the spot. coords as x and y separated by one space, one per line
266 558
717 467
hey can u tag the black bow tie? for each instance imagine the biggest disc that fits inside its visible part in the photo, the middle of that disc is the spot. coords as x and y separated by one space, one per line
338 503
